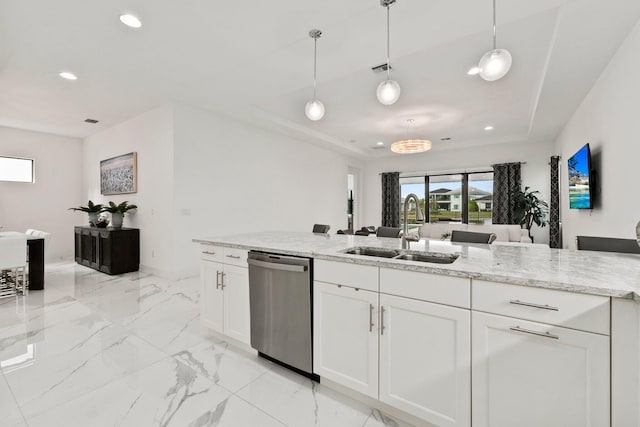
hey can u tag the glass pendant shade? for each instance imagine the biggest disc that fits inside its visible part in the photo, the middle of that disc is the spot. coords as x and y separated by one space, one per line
408 146
388 92
314 110
494 64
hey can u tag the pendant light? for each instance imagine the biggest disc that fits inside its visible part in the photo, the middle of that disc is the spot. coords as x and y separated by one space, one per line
494 64
314 108
389 90
410 146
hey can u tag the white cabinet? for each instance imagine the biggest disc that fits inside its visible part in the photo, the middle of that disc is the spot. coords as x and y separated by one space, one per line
425 360
346 336
533 374
224 292
411 354
211 297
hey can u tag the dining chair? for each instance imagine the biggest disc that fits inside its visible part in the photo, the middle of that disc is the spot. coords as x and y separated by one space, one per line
388 232
472 237
13 266
607 244
321 228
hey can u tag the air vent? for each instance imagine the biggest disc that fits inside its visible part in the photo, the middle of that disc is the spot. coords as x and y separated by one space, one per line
378 147
92 121
446 138
380 68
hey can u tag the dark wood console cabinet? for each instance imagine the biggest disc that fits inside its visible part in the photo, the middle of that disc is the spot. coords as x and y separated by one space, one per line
109 250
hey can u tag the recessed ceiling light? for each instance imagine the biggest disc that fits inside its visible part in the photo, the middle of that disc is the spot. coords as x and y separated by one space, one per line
92 121
68 76
488 127
130 21
473 71
379 143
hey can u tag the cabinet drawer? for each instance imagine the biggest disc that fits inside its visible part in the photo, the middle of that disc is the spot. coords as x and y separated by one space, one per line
436 288
578 311
235 256
342 273
211 253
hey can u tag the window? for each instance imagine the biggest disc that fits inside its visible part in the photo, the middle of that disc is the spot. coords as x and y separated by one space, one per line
457 197
14 169
480 197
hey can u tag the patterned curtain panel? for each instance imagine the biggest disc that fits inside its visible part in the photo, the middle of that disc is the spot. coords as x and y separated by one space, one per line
506 183
555 239
391 199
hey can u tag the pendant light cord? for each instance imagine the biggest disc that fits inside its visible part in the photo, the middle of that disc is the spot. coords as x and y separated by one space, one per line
315 56
388 36
494 24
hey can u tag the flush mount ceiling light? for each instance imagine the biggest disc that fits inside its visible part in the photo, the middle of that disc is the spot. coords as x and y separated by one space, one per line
389 90
68 75
314 108
494 64
130 21
410 146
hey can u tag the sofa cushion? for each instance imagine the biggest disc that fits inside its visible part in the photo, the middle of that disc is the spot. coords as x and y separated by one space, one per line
439 229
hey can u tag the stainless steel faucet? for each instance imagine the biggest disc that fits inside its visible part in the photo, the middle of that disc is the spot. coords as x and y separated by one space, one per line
419 217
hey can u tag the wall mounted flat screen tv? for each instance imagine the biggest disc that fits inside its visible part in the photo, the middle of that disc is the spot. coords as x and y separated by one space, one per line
580 180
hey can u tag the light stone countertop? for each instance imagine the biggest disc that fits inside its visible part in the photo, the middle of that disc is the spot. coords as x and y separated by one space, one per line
596 273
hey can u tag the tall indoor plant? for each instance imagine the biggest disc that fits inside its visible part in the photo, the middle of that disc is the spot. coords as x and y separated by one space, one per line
92 209
117 212
530 209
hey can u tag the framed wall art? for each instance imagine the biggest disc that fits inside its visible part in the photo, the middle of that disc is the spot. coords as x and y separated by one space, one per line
119 175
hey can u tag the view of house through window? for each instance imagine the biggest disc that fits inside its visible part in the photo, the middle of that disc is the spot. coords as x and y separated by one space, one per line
15 169
463 197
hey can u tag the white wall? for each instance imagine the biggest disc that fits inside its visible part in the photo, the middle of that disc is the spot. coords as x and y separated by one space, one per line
234 178
608 120
151 136
535 173
44 204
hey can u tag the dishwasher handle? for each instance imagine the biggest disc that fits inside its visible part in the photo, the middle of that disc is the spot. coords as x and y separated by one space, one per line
277 266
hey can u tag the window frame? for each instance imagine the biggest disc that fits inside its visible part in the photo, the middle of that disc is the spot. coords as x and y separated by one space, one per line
33 169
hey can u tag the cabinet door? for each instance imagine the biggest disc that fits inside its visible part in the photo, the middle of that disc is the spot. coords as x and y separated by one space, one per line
211 295
237 321
425 360
532 374
346 336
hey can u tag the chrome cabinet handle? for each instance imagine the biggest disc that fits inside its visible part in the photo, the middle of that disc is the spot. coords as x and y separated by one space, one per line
381 320
208 253
233 256
218 279
222 285
529 331
370 317
530 304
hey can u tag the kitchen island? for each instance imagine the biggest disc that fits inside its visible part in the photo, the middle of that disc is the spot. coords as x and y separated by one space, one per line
561 345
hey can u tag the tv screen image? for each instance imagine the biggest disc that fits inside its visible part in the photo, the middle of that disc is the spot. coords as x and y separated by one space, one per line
580 194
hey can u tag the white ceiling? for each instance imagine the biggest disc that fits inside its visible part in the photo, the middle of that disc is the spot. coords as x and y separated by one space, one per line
253 60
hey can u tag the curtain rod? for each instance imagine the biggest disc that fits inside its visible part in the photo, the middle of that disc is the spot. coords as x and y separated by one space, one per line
417 174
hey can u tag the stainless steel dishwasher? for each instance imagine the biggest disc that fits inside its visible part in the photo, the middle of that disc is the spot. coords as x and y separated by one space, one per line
280 294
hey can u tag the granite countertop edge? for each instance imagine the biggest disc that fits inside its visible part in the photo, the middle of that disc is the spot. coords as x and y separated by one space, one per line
449 270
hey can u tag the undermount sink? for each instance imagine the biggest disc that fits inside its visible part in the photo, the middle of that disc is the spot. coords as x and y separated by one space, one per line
377 252
432 257
429 257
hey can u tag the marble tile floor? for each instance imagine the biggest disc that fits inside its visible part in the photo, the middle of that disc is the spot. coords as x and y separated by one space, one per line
129 350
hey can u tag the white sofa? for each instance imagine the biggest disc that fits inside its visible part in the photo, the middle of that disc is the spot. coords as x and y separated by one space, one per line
503 232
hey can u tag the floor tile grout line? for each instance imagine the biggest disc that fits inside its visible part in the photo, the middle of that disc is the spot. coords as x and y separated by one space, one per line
259 408
24 419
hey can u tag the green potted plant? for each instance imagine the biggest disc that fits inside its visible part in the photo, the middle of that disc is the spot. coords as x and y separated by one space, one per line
117 212
93 211
530 209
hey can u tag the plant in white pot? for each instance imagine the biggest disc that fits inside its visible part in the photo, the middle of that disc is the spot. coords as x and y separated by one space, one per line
117 212
93 211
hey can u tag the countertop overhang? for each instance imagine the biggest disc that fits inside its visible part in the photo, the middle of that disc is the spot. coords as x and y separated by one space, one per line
597 273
